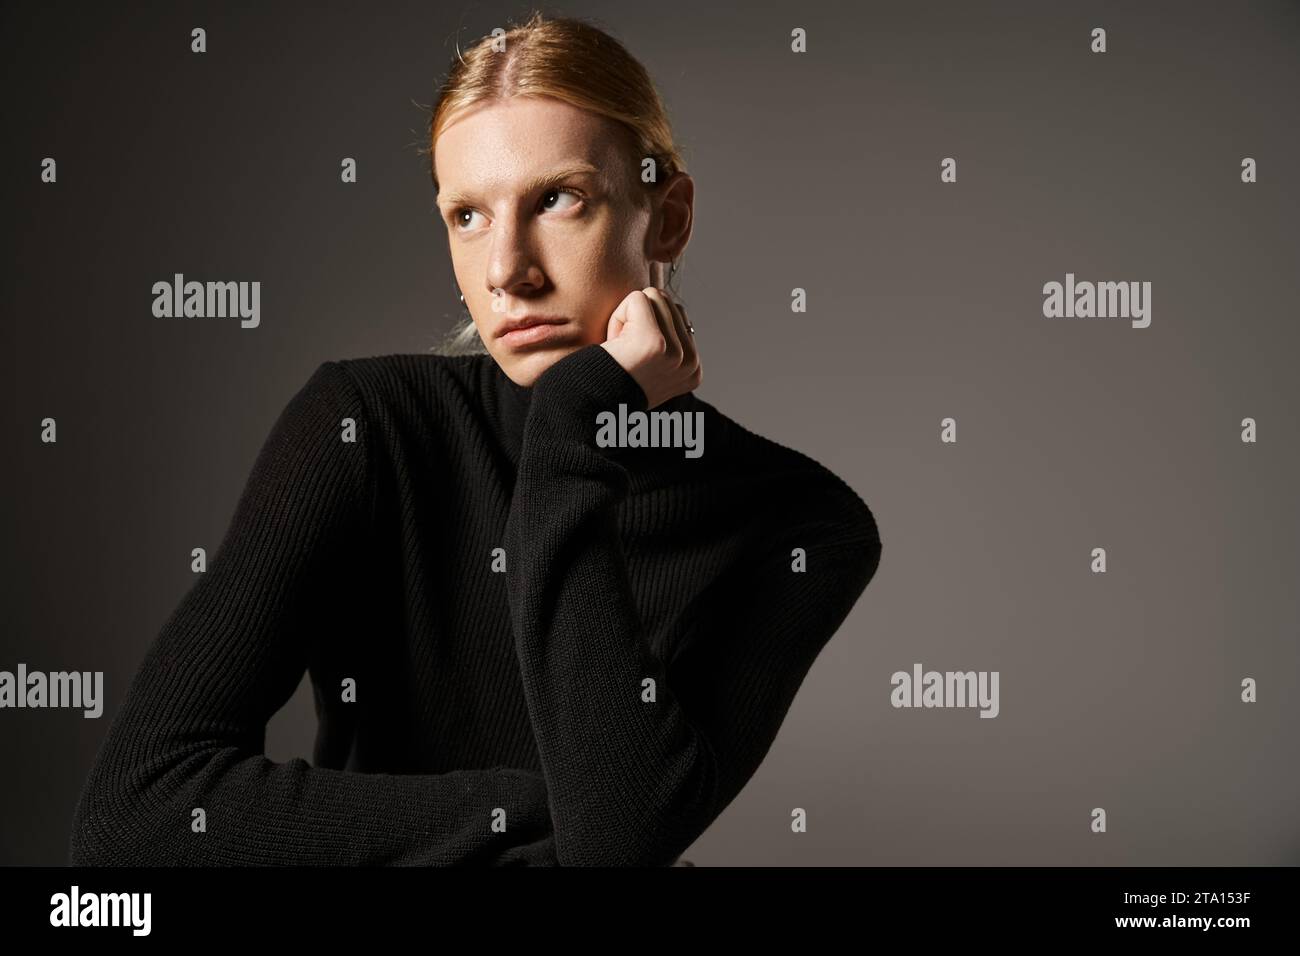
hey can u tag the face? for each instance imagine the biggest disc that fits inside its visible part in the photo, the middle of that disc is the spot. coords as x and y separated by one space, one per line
541 220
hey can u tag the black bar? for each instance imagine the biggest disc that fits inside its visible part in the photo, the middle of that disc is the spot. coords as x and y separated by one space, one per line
243 906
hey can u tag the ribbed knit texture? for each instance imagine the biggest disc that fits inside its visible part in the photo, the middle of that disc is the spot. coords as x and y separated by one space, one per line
480 692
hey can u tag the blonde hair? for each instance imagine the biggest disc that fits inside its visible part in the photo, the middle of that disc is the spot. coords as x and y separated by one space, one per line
573 61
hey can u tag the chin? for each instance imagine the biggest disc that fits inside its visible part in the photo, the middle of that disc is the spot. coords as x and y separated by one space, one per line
526 369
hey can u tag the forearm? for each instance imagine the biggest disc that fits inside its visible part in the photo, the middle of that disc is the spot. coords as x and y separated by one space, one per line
629 777
141 807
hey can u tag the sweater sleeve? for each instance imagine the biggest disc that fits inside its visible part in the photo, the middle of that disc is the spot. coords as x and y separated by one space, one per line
190 733
633 782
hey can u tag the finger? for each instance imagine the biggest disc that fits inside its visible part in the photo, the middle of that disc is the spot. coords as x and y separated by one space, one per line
689 356
618 320
690 352
667 321
642 314
621 319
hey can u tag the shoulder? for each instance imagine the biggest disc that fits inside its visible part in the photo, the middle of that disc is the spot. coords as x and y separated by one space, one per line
408 387
395 396
802 496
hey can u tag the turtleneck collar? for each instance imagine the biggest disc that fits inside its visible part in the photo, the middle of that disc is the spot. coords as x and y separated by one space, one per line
515 400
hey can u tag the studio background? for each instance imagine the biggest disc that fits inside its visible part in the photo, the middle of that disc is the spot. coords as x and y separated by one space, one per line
819 171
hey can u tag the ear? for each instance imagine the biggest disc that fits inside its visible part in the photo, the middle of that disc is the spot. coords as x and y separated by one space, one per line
672 218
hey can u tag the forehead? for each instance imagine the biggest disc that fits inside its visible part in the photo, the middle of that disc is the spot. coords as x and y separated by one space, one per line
501 145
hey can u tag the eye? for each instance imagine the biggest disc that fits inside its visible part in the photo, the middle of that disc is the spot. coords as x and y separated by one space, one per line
462 217
458 220
558 191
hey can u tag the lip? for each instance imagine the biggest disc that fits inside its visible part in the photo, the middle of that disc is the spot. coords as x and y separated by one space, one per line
529 329
523 322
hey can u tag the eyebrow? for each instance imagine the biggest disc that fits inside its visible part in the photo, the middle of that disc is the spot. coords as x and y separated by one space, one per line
537 182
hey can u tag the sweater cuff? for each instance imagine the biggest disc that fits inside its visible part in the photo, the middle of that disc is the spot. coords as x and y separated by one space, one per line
587 382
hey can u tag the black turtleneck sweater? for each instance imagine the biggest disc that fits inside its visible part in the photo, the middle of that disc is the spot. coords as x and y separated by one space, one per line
525 648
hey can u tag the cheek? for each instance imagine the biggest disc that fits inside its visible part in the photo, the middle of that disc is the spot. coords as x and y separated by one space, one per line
462 269
626 242
608 267
616 259
600 265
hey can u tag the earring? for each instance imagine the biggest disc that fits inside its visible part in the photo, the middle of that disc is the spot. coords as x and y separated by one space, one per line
462 298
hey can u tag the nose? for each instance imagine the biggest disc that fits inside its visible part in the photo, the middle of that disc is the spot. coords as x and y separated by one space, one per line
512 262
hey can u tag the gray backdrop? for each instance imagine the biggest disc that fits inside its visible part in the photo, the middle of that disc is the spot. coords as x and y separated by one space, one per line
819 171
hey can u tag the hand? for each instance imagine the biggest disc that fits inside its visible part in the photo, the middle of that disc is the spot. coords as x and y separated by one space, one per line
647 335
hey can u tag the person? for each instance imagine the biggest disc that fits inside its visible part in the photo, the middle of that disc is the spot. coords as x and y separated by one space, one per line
527 645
